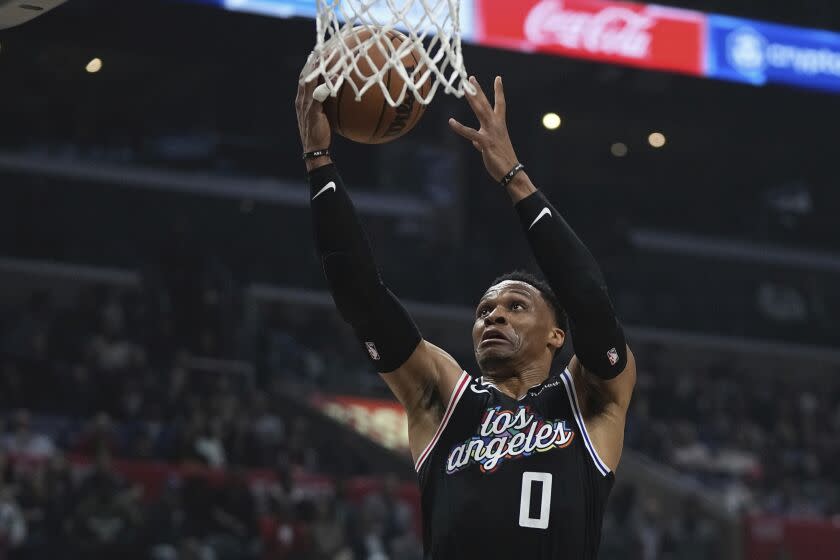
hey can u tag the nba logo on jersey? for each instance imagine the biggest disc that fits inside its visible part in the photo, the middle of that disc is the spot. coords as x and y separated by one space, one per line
371 348
612 356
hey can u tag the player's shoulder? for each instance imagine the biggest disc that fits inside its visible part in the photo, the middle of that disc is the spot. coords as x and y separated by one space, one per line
469 388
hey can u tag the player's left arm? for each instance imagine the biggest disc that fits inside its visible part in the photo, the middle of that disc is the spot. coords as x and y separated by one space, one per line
604 367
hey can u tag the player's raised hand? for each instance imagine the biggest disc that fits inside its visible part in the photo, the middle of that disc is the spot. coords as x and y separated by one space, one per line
492 138
314 128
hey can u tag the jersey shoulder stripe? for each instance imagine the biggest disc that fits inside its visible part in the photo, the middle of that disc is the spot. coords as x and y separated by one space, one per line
569 383
457 393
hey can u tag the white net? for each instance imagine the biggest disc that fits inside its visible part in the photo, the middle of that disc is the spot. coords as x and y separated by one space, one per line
354 36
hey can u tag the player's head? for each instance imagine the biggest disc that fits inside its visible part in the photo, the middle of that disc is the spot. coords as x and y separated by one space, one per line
518 321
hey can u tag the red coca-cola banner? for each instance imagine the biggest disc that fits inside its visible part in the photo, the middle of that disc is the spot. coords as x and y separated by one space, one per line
641 35
769 537
383 421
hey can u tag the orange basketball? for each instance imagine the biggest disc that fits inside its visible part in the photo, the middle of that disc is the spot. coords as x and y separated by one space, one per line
372 120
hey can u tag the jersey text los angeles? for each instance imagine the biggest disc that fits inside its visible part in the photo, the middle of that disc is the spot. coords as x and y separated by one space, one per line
512 479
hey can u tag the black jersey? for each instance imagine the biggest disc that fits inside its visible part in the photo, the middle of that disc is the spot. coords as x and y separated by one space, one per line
504 479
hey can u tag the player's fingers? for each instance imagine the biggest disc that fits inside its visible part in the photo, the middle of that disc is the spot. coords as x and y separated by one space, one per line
312 94
320 93
299 98
304 100
309 66
465 131
499 91
478 102
305 88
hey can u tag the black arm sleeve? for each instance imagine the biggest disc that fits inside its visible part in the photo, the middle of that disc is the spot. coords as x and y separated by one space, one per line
383 326
576 279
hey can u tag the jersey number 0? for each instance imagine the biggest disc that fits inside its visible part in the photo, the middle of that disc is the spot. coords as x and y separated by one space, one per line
525 519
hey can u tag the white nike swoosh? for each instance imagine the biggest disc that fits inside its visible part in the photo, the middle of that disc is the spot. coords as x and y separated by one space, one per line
543 213
330 185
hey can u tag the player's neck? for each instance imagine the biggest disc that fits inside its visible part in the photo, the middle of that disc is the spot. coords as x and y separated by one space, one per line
516 384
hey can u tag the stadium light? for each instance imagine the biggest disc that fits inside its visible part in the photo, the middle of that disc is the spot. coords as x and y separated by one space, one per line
619 149
94 66
656 139
552 121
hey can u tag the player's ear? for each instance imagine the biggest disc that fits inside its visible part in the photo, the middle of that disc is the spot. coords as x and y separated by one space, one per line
556 338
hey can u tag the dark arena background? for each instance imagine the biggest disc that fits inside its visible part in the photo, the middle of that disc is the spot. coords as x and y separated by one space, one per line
176 384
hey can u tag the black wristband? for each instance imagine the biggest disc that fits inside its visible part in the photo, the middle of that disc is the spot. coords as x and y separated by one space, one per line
316 153
510 174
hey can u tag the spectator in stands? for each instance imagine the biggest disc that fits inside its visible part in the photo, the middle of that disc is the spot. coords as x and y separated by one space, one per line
269 428
690 537
165 529
620 535
328 533
370 542
300 447
25 443
106 522
398 516
79 390
286 535
208 443
28 334
111 350
46 499
99 436
13 529
234 515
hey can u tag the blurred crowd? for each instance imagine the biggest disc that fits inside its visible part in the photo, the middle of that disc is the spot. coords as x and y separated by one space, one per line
109 384
91 388
60 508
638 528
764 443
118 442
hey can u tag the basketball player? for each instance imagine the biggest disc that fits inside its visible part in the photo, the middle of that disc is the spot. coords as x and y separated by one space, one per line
518 462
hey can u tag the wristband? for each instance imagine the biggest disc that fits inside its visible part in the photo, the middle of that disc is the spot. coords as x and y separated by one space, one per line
510 174
316 154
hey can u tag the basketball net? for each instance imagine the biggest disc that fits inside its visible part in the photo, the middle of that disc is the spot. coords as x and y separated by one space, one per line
432 30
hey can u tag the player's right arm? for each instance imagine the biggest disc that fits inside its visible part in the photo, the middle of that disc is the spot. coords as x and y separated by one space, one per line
421 375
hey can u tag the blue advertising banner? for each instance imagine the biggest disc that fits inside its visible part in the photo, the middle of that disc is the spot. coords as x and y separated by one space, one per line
274 8
760 53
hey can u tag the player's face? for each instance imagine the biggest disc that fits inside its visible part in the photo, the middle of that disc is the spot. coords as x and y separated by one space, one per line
513 324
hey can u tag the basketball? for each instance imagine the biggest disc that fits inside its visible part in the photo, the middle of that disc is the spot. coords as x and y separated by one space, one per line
372 120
